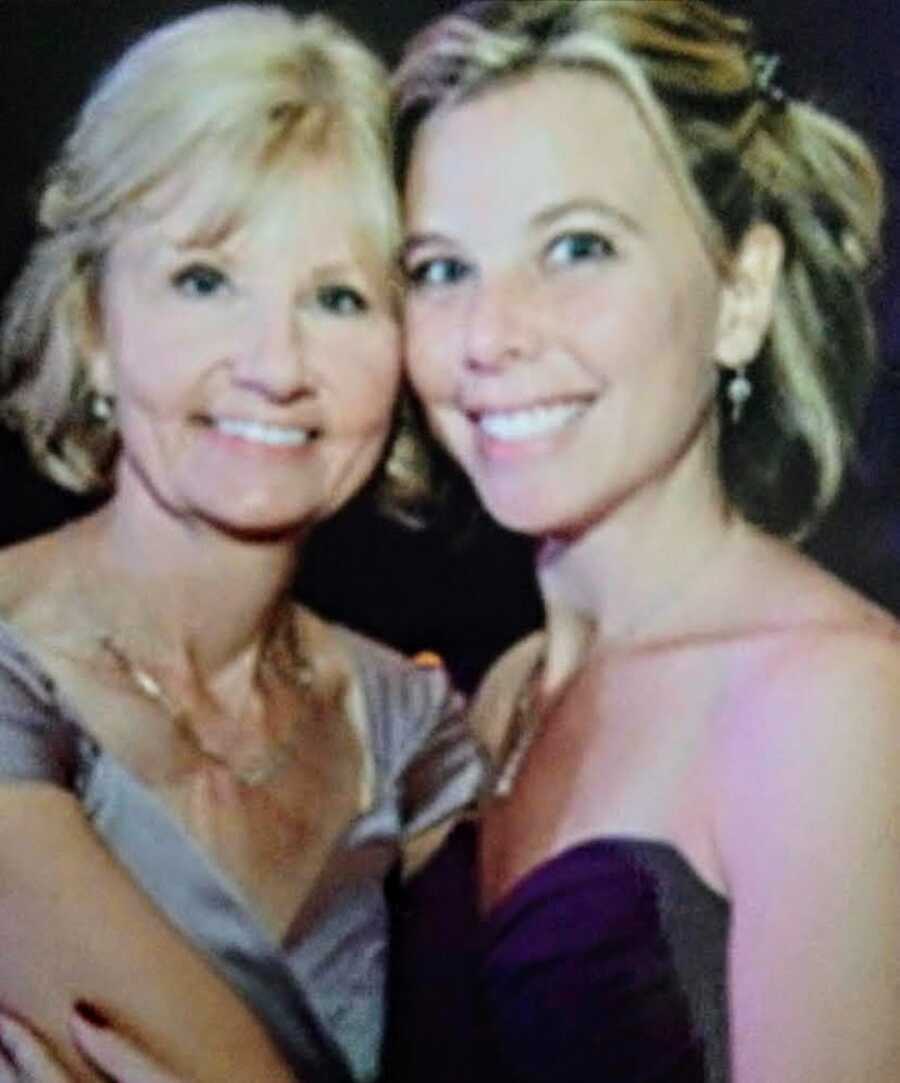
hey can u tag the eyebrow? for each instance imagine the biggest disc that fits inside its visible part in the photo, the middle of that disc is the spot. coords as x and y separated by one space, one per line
553 213
419 240
542 219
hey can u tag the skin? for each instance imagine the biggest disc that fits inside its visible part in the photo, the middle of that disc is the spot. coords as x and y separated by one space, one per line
774 768
286 323
554 263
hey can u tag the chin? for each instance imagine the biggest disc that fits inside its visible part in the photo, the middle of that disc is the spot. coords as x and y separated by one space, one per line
269 529
268 521
524 513
541 512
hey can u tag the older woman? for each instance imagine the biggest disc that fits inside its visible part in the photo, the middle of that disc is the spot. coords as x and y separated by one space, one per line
203 785
636 316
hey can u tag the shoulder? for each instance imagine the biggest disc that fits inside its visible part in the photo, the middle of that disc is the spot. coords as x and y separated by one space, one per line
808 837
786 589
37 742
810 754
24 685
816 653
809 708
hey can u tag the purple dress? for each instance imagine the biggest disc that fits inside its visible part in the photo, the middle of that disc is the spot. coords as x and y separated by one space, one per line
604 964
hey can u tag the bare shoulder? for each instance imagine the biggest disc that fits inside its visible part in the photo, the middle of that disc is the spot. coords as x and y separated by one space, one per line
795 591
809 726
807 828
818 639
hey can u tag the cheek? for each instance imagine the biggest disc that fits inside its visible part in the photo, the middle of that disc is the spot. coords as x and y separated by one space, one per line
153 359
637 327
363 377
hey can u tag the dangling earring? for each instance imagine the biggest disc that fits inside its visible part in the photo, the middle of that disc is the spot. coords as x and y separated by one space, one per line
100 407
738 391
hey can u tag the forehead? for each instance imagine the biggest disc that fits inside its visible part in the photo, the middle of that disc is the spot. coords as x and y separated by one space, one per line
545 138
322 201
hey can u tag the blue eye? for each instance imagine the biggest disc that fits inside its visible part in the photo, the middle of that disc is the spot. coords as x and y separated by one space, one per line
341 300
445 271
199 280
577 247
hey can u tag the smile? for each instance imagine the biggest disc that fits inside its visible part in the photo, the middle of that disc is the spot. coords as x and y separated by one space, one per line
258 433
530 423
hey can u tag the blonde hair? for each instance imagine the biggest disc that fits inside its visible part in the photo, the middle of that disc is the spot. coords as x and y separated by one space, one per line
741 151
238 95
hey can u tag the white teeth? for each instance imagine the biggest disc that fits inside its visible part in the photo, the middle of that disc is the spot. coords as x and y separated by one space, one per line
273 435
531 423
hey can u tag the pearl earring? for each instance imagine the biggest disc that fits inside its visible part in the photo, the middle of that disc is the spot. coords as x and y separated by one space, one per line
738 391
100 407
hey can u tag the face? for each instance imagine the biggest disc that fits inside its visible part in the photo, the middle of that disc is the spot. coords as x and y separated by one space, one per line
254 377
563 313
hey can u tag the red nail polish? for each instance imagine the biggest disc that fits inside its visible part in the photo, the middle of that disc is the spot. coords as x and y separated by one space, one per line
91 1014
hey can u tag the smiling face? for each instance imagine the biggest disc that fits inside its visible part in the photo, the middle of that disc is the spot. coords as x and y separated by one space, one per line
563 314
254 375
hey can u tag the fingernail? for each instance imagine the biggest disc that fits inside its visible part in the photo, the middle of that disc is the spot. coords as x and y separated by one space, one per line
91 1014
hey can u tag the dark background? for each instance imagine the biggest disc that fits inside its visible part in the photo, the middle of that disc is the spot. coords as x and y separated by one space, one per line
431 589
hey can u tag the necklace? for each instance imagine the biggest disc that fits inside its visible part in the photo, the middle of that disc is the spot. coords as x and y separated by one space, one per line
282 653
525 722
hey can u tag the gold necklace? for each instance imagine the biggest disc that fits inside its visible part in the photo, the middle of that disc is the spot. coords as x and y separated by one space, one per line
295 667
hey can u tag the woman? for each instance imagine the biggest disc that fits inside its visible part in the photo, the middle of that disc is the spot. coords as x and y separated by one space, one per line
636 317
202 784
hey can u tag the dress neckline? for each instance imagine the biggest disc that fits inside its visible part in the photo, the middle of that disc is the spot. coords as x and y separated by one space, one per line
535 881
98 762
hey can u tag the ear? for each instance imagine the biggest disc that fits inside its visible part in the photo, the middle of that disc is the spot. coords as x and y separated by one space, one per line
748 296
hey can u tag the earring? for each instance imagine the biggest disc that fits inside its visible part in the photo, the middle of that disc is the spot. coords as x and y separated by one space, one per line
100 407
738 391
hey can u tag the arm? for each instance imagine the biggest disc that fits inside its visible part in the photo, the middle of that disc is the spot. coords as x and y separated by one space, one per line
810 842
74 926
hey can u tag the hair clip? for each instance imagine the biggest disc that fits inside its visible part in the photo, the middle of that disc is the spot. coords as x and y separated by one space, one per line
765 67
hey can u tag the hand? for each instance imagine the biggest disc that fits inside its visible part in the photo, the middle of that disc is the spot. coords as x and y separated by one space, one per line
25 1059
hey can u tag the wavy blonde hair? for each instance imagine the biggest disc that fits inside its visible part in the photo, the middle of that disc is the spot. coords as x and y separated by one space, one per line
740 152
238 95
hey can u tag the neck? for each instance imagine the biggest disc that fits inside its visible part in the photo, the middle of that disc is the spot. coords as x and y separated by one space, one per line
188 596
638 573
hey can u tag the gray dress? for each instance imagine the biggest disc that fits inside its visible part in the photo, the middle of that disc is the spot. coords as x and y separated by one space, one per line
321 997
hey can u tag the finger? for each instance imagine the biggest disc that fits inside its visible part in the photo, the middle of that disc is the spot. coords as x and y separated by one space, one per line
30 1060
115 1055
7 1067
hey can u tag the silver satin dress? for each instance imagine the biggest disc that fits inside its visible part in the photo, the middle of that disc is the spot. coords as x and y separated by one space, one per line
322 998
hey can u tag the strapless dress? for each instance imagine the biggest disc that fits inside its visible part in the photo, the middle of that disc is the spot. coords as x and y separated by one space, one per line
605 964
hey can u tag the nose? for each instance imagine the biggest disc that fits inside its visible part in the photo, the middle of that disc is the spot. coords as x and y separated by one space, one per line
271 360
502 326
